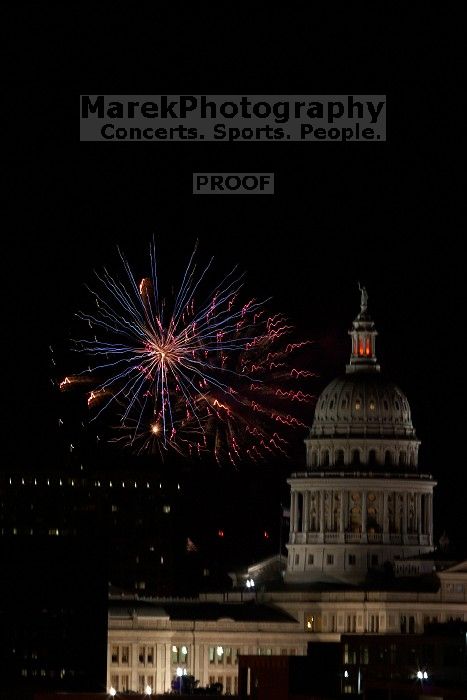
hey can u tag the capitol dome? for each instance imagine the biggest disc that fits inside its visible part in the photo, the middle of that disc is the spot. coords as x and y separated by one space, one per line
362 420
362 403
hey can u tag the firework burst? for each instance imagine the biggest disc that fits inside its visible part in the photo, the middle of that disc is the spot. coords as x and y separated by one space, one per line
192 377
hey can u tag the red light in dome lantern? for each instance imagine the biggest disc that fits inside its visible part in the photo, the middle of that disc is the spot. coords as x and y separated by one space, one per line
220 533
360 347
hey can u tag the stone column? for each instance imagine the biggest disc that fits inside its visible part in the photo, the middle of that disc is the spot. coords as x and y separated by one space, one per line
364 532
418 514
292 511
295 512
306 512
341 516
134 663
321 515
404 517
386 537
430 517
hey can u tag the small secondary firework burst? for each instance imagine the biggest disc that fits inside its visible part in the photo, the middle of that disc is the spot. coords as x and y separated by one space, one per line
211 376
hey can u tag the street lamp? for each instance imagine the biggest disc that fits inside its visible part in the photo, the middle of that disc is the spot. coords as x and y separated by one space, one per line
148 690
112 691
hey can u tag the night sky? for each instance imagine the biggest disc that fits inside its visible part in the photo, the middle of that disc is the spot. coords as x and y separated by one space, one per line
382 213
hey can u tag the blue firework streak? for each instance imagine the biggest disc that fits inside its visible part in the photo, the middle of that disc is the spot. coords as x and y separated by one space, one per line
177 371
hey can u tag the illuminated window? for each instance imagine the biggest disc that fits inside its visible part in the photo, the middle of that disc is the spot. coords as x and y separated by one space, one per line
166 509
313 622
350 626
358 405
179 654
373 623
372 406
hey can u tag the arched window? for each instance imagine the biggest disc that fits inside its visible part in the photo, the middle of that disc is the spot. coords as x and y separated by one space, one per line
402 459
355 458
340 458
314 458
325 458
387 458
372 458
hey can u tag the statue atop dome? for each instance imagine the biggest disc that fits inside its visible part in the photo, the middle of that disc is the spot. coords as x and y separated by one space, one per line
363 298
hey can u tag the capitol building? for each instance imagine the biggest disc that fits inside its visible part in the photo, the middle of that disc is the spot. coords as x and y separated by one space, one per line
361 556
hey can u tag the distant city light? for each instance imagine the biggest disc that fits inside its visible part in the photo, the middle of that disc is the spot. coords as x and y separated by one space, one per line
112 691
250 583
419 675
346 674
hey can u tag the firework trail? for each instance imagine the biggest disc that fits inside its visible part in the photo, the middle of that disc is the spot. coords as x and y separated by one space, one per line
213 376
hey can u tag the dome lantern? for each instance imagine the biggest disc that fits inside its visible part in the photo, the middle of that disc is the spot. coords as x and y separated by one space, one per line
363 333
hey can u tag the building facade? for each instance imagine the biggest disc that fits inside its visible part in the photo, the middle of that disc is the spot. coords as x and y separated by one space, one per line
359 551
148 644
